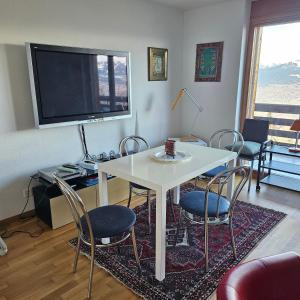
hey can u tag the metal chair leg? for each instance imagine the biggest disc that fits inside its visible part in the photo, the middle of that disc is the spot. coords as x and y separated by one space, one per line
130 195
171 205
206 244
196 181
178 227
263 166
119 250
91 271
135 249
149 211
76 254
250 175
232 238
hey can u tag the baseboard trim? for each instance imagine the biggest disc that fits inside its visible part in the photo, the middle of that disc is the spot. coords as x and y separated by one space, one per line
13 219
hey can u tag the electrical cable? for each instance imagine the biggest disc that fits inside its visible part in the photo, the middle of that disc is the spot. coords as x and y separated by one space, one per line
6 234
35 176
86 154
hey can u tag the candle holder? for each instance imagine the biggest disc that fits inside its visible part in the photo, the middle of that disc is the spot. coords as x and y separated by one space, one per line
170 148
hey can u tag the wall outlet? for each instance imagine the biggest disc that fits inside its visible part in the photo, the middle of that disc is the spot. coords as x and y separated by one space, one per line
25 193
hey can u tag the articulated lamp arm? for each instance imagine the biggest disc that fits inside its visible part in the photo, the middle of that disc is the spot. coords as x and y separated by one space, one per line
181 93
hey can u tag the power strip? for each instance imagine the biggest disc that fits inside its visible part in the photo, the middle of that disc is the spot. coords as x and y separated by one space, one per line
3 247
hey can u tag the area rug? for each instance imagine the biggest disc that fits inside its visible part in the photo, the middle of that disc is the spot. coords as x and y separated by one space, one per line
185 276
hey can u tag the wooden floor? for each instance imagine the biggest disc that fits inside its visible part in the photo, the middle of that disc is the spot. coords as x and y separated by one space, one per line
41 268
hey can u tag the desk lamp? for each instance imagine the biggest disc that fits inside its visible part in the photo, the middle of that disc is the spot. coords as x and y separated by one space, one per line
183 92
296 127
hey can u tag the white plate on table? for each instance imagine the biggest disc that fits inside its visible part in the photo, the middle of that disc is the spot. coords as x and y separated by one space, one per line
161 156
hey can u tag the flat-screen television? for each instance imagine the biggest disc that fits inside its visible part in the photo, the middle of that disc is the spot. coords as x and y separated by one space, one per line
78 85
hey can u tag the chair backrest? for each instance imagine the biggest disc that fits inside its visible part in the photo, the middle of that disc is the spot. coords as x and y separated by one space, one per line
222 179
228 139
256 130
76 205
138 141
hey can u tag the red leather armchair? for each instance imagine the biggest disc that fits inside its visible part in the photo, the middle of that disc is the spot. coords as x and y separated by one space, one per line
270 278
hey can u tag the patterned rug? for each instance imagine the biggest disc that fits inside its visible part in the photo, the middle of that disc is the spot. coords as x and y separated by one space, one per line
185 276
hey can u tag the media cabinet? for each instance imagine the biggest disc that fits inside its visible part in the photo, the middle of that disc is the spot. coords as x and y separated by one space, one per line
52 208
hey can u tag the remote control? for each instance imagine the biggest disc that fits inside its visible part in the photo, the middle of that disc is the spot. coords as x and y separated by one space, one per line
70 166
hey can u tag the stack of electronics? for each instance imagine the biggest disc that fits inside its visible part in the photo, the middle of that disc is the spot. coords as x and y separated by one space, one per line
66 172
86 168
92 163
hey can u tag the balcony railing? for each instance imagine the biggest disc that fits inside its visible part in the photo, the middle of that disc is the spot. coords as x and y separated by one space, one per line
281 118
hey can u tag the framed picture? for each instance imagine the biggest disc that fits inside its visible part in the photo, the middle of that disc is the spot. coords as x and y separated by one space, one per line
209 62
157 64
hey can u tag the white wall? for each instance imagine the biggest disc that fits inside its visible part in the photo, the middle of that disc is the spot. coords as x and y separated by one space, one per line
120 25
226 22
107 24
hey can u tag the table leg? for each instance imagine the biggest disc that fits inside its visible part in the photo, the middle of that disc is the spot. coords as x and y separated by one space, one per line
103 196
160 237
230 184
176 194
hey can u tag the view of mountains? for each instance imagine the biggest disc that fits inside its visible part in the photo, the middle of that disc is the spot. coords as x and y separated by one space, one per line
279 74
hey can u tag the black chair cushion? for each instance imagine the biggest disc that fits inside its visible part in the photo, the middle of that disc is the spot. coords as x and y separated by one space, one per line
137 186
193 202
109 221
215 171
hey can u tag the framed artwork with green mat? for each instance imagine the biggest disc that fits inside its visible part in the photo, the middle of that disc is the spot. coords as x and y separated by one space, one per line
209 62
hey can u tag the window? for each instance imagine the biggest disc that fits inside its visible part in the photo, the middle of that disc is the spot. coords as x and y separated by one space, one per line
274 85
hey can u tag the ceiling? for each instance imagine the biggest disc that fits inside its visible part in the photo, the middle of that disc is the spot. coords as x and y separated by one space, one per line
188 4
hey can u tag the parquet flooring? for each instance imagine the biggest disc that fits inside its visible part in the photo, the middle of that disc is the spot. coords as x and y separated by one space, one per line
41 268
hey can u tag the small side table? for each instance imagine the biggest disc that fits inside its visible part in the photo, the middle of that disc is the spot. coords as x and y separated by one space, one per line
290 183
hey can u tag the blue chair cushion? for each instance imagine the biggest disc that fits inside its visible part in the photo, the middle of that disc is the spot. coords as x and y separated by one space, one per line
109 221
193 202
249 149
215 171
137 186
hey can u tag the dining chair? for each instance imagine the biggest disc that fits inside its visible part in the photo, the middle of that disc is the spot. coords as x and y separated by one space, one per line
140 144
255 133
112 221
227 139
212 208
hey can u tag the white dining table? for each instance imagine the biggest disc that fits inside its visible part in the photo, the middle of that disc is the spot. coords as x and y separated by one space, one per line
160 177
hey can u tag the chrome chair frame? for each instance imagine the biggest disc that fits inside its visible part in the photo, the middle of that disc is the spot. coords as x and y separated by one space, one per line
78 210
219 136
222 133
221 179
137 139
123 151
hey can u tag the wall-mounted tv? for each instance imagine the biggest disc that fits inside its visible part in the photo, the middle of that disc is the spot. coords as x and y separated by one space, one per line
78 85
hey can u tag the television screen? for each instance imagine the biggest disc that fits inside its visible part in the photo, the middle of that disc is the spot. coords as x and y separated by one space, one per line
76 85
